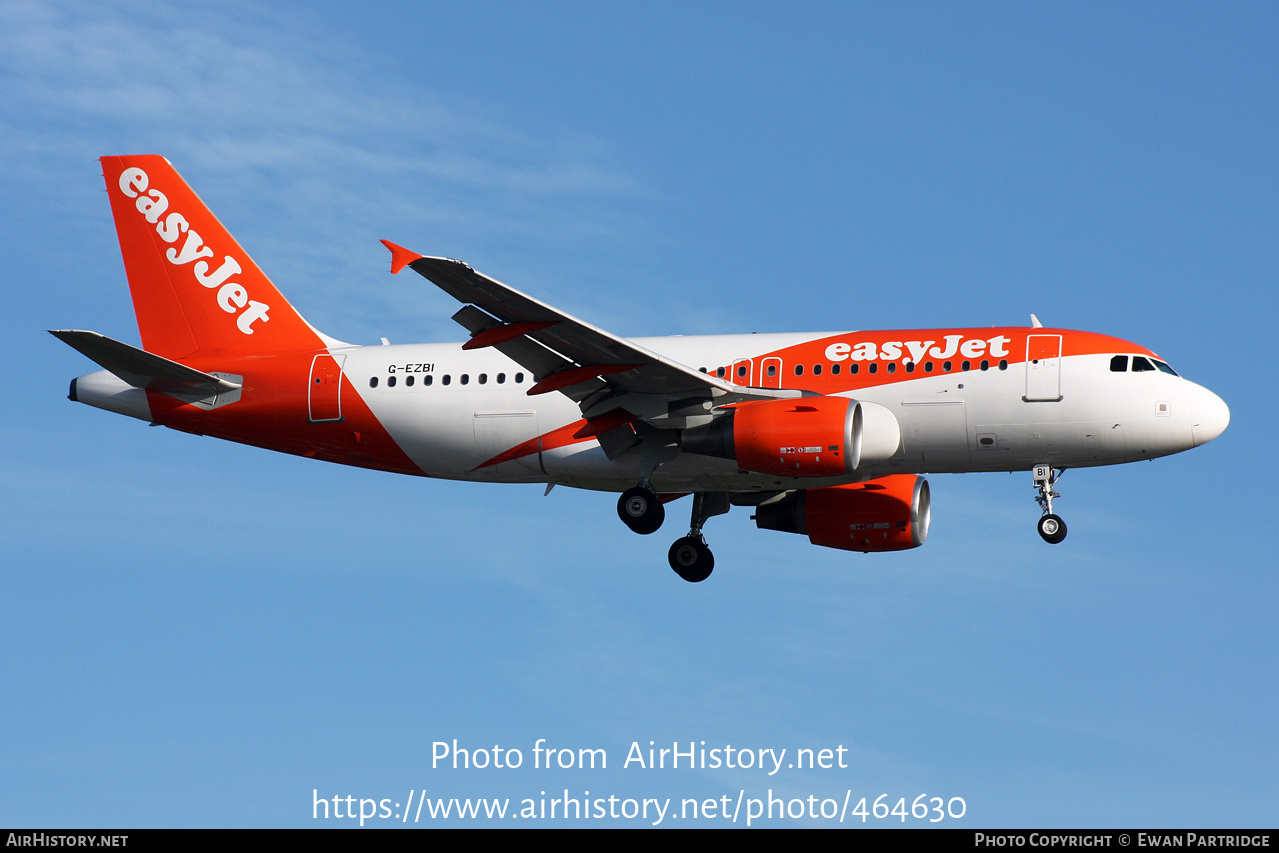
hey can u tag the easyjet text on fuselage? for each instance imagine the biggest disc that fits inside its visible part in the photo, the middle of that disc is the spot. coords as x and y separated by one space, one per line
915 351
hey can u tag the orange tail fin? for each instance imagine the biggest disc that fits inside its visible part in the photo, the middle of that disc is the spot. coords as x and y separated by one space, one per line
195 290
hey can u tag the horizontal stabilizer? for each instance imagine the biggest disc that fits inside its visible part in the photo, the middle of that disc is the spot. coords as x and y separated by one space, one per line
143 369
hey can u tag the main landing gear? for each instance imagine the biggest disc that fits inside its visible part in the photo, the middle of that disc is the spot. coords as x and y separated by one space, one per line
690 557
642 511
1051 527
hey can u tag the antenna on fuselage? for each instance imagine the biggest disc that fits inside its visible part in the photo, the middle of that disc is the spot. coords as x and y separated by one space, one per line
1034 322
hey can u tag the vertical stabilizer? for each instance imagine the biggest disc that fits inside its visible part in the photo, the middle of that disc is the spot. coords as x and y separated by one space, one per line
195 290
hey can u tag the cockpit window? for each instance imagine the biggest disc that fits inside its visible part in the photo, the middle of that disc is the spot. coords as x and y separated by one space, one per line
1140 364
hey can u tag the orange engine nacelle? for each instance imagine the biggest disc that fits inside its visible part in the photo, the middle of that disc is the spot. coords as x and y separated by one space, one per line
809 437
886 514
805 437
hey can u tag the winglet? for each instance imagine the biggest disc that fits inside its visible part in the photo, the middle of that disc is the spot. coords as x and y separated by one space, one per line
400 256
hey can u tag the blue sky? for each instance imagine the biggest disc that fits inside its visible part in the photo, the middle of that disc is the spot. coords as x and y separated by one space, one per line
201 634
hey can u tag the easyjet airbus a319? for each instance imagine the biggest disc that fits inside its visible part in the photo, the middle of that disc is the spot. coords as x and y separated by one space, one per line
822 434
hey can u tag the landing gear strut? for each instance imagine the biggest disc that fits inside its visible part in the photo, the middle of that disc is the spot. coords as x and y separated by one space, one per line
641 510
691 559
1051 527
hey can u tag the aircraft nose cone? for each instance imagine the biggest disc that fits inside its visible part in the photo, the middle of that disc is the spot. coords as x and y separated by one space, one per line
1212 416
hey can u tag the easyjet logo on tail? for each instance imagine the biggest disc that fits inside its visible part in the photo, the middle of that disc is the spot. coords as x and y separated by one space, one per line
231 296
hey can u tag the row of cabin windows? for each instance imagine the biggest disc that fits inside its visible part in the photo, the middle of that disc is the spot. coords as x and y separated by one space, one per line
465 379
854 368
1140 364
1118 364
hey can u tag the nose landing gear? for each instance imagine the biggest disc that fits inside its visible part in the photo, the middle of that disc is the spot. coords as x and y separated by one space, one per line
1051 527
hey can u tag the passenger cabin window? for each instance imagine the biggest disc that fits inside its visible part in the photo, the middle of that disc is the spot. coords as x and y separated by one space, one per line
1119 364
373 382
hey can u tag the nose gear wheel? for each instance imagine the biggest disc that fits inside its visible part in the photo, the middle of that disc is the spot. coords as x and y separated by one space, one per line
1051 527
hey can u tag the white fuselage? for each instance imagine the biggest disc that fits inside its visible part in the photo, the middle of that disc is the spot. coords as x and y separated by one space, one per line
974 420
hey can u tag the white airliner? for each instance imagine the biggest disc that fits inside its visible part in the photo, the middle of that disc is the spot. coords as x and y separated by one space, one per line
823 434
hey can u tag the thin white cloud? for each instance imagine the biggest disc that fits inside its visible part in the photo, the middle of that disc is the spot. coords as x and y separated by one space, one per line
307 135
212 87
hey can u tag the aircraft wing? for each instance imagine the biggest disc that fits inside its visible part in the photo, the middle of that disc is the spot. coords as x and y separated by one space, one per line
597 369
